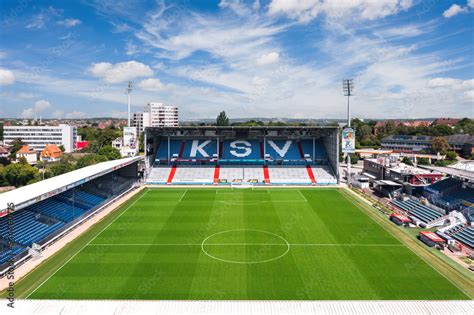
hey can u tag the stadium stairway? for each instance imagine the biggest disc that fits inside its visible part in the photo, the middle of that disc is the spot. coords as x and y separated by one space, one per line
171 175
266 175
311 175
216 174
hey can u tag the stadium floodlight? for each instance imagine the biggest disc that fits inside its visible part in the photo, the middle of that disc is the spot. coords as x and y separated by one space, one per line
347 87
128 91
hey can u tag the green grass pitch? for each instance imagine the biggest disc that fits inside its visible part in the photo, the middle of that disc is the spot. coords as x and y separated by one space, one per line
261 244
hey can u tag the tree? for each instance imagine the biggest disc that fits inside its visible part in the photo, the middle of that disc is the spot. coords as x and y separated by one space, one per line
15 145
4 161
451 155
19 174
90 159
110 152
423 161
222 119
439 145
441 130
61 167
354 159
407 161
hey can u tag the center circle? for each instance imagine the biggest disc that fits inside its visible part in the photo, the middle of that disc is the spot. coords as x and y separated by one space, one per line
245 246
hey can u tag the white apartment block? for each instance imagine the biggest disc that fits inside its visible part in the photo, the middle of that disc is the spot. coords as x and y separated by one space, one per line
141 121
162 115
38 137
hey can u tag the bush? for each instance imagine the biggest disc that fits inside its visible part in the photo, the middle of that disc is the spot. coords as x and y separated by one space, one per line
451 155
407 161
423 161
441 163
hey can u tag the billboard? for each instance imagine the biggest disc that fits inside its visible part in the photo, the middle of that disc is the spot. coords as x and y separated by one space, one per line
130 138
130 141
348 140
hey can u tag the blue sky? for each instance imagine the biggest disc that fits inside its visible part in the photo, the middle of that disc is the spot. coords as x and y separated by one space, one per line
267 58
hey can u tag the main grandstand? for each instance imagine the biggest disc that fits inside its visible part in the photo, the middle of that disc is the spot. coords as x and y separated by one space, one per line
251 155
46 210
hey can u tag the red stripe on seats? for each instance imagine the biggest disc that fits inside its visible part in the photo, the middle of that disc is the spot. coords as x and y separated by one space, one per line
171 175
311 175
300 148
216 174
266 175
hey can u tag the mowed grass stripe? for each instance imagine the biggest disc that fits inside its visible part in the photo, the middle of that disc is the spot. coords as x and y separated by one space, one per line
325 261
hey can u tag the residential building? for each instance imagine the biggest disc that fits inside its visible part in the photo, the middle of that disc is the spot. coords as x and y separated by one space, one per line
141 121
4 152
51 153
162 115
414 144
39 136
29 153
445 121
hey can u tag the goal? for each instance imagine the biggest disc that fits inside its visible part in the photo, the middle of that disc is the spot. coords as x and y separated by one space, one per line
241 185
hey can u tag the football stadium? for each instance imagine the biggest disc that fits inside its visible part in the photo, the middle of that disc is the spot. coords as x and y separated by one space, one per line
215 214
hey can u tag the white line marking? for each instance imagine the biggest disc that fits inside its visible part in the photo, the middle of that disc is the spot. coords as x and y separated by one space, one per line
252 244
301 194
72 257
182 196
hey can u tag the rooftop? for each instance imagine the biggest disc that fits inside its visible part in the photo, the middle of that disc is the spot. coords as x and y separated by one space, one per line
30 194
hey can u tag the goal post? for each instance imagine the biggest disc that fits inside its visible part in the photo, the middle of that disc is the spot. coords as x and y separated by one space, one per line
241 185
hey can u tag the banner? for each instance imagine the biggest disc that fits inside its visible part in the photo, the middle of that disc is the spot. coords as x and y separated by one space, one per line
348 140
130 139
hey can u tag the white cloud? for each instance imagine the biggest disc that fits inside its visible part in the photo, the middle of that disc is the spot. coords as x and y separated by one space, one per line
25 95
469 96
120 72
70 22
39 20
57 114
38 108
6 77
307 10
268 58
151 84
470 3
451 83
454 10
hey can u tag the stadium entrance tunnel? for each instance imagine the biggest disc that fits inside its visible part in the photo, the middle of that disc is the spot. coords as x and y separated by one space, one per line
245 246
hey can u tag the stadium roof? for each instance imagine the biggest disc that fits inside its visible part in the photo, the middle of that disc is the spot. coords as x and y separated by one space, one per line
459 173
30 194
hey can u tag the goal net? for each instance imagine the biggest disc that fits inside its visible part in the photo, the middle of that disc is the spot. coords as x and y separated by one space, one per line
241 185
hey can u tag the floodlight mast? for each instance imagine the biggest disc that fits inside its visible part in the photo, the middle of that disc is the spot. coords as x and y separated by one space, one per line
129 90
347 87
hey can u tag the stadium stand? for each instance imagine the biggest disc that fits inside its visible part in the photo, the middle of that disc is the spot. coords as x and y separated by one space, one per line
418 210
45 209
193 175
450 194
289 175
159 174
6 252
324 175
29 228
465 235
260 155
